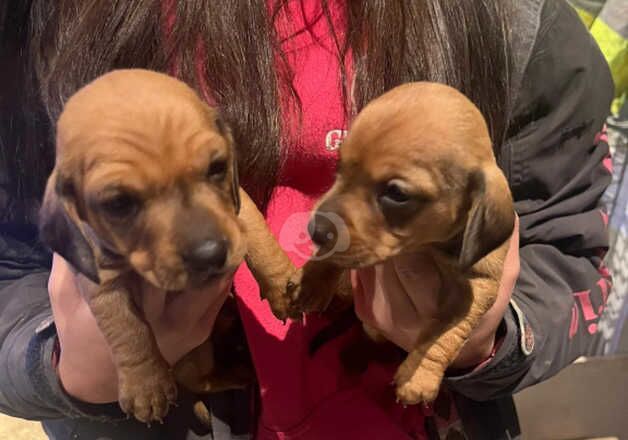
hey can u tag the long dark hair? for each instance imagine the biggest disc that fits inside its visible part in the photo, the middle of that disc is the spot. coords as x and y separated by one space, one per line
58 46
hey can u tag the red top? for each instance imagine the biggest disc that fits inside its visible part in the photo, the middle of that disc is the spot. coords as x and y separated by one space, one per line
305 397
308 397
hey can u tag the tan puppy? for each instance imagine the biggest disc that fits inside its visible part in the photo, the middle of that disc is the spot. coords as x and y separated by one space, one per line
417 174
145 187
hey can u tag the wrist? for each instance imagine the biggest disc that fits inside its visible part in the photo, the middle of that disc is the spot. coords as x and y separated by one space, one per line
472 357
480 355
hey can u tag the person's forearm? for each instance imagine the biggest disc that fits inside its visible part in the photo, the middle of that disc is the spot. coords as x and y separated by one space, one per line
540 334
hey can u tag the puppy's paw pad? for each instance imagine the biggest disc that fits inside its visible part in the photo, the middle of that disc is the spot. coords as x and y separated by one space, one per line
404 374
147 397
293 286
280 305
418 391
279 295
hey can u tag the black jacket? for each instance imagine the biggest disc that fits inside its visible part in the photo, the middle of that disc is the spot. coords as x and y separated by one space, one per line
555 164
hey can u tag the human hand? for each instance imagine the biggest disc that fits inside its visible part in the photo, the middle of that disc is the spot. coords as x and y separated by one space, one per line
180 322
400 299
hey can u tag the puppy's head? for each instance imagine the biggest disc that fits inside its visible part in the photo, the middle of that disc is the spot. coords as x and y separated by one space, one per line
416 169
145 174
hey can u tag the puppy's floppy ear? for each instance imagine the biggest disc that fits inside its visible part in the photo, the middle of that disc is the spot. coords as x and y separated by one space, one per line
59 228
491 218
235 183
225 131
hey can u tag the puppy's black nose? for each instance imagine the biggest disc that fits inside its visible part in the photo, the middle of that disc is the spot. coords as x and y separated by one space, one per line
321 229
211 254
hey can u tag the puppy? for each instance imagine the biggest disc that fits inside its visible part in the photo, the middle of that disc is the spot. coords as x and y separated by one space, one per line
145 188
416 174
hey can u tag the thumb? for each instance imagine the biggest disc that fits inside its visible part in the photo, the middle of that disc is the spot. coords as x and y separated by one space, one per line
363 283
417 272
196 304
420 280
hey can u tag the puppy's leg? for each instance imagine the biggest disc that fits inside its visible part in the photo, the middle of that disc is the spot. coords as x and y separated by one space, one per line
198 372
419 377
223 361
370 346
202 414
145 384
193 369
268 263
315 286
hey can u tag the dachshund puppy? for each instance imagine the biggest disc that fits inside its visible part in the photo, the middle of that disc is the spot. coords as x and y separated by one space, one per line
145 188
416 174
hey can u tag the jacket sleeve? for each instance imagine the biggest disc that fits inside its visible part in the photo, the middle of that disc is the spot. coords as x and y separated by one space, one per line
558 165
29 385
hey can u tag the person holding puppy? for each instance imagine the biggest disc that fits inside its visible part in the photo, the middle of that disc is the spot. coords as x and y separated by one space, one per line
288 78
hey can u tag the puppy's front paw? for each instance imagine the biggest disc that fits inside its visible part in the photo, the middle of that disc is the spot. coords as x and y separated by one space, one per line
278 292
421 387
147 392
316 303
309 295
294 285
280 303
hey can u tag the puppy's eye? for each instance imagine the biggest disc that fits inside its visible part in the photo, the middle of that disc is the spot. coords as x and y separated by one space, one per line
393 194
397 203
217 170
121 205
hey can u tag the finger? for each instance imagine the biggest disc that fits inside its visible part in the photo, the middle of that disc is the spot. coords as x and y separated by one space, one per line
512 264
65 294
84 351
404 312
363 283
380 297
510 273
395 315
420 281
385 304
416 270
61 280
205 323
189 306
186 326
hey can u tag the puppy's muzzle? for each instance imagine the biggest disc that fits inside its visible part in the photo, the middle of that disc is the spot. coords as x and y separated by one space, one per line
203 245
208 257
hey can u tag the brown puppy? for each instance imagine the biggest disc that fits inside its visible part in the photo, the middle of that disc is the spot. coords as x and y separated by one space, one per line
145 188
417 174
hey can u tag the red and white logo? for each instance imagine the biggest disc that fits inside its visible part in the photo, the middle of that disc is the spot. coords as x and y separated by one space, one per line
334 138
